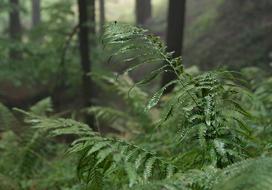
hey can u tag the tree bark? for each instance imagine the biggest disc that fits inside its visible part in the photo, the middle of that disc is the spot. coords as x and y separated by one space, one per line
84 47
143 11
36 12
91 21
102 15
174 39
15 28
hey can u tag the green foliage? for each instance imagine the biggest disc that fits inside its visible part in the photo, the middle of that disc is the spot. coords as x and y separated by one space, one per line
102 157
260 105
42 49
208 134
34 143
29 159
132 43
206 105
249 174
7 119
133 118
42 107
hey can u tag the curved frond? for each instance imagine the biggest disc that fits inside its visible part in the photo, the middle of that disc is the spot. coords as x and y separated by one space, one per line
250 174
99 155
7 119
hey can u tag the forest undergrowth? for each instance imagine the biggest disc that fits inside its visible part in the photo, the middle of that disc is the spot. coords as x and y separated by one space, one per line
212 132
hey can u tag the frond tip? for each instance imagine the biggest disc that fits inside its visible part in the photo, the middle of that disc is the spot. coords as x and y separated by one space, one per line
133 44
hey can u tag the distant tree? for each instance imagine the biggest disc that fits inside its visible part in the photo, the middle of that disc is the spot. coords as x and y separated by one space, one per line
36 12
143 11
15 28
85 29
102 15
174 39
91 15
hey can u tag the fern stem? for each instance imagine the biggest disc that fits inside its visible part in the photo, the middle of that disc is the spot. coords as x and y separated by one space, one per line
178 76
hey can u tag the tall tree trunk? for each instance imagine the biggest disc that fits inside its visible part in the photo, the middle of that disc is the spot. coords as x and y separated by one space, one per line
143 11
91 13
84 31
36 12
15 28
174 41
102 15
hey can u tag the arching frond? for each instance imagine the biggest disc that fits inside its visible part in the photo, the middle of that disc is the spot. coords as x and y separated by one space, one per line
99 155
7 119
250 174
134 97
42 107
134 44
107 114
207 104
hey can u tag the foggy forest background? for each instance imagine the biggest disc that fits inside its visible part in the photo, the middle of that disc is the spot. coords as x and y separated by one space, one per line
135 94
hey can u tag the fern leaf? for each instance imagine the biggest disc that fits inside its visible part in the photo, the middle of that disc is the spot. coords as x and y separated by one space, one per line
42 107
249 174
149 167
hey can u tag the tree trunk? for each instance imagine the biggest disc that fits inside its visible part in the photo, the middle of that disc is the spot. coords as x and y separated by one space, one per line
91 13
143 11
174 39
102 15
36 12
84 47
15 28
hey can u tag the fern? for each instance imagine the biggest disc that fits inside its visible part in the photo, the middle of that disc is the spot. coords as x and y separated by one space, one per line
133 43
205 138
216 118
249 174
122 86
42 107
99 156
108 114
164 184
118 120
134 118
259 104
207 104
7 119
34 143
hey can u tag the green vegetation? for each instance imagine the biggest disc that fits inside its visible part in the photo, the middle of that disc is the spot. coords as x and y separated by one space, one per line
212 132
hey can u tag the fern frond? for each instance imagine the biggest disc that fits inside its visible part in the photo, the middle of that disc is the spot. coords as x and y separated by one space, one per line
33 142
249 174
7 119
133 43
42 107
211 118
206 103
190 180
164 184
99 154
98 151
31 153
107 114
125 87
133 96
